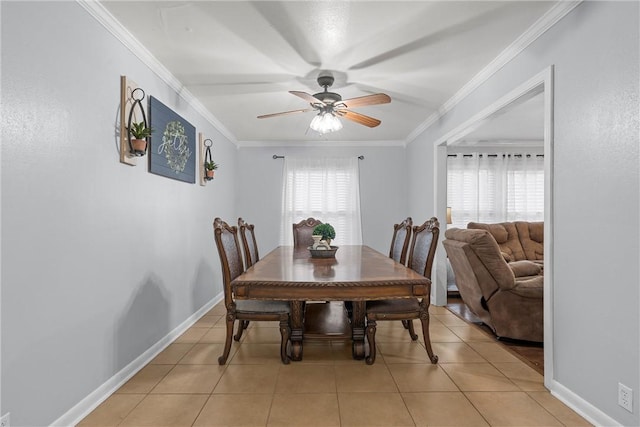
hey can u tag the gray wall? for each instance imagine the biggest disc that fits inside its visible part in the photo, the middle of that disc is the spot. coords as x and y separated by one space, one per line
383 190
99 259
596 190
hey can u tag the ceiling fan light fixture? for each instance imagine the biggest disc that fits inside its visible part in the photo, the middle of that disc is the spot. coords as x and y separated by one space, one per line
325 122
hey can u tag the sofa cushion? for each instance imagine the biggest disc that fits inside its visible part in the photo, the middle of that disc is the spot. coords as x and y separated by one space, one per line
506 235
531 235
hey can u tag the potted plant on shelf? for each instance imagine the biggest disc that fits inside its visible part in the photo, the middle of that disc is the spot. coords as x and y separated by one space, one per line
326 231
209 168
140 132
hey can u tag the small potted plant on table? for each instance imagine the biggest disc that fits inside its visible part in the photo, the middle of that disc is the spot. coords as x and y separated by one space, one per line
324 233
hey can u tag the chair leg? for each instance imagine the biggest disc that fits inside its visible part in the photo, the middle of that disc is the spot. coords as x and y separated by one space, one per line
231 318
242 325
370 330
285 333
409 326
424 319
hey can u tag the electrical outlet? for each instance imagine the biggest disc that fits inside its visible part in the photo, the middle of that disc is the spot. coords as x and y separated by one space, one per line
5 421
625 397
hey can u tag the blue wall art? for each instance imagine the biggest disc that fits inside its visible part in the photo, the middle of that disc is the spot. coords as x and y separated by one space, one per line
173 144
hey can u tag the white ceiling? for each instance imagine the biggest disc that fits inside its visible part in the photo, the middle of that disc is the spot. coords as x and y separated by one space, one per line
240 58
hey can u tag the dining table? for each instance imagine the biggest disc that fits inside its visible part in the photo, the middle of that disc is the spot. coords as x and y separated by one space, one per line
355 275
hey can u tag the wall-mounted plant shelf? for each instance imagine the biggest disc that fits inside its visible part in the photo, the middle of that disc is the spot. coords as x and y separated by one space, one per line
129 93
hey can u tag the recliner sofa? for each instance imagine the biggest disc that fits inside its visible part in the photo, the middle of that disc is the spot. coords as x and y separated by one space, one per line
506 296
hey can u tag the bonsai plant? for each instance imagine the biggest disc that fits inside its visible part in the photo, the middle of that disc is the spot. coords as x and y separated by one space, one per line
326 231
140 133
209 168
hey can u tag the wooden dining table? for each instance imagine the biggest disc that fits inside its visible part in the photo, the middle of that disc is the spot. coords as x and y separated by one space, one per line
357 274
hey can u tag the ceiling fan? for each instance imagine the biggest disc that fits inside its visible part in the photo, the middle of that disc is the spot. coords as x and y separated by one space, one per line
330 106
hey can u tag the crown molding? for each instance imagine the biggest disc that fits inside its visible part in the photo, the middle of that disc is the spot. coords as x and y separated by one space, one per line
546 21
104 17
342 144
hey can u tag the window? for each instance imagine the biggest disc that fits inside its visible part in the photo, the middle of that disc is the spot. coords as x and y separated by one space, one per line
327 189
495 188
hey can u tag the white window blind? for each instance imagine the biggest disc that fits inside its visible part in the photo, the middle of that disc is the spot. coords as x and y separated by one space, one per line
495 188
327 189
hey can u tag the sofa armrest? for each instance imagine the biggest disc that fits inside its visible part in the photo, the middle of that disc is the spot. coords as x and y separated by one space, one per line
529 287
525 268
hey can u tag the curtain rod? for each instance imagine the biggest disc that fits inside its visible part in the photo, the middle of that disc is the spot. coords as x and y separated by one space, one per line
275 156
496 155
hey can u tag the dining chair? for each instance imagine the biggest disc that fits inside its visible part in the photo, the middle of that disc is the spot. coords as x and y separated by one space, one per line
423 249
303 231
400 241
249 245
226 238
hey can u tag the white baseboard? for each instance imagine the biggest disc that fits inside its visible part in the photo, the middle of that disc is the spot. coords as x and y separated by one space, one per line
83 408
586 410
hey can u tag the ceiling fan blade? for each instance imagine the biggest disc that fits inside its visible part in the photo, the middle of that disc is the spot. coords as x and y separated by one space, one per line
377 98
309 98
359 118
285 113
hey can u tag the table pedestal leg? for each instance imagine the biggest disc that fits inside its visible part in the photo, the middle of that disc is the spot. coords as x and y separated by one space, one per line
357 325
297 326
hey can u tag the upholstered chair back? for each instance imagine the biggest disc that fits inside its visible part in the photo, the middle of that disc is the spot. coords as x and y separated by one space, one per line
248 237
400 241
303 231
423 247
226 238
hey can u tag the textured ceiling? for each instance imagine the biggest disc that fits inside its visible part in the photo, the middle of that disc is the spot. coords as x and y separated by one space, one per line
240 59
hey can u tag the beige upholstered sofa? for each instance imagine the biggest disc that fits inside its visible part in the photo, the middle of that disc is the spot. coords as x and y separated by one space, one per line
519 240
501 282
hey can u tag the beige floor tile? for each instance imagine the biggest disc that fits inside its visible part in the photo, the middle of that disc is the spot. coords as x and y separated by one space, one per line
478 377
395 334
438 309
449 319
317 352
191 335
218 310
216 335
421 377
343 353
235 410
205 354
112 411
190 379
442 409
493 352
172 354
558 409
166 410
256 354
248 379
471 333
207 321
146 379
456 352
309 410
310 378
405 352
522 375
262 336
440 333
511 409
362 378
373 410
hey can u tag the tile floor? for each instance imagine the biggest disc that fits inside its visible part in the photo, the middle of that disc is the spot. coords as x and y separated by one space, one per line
477 382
